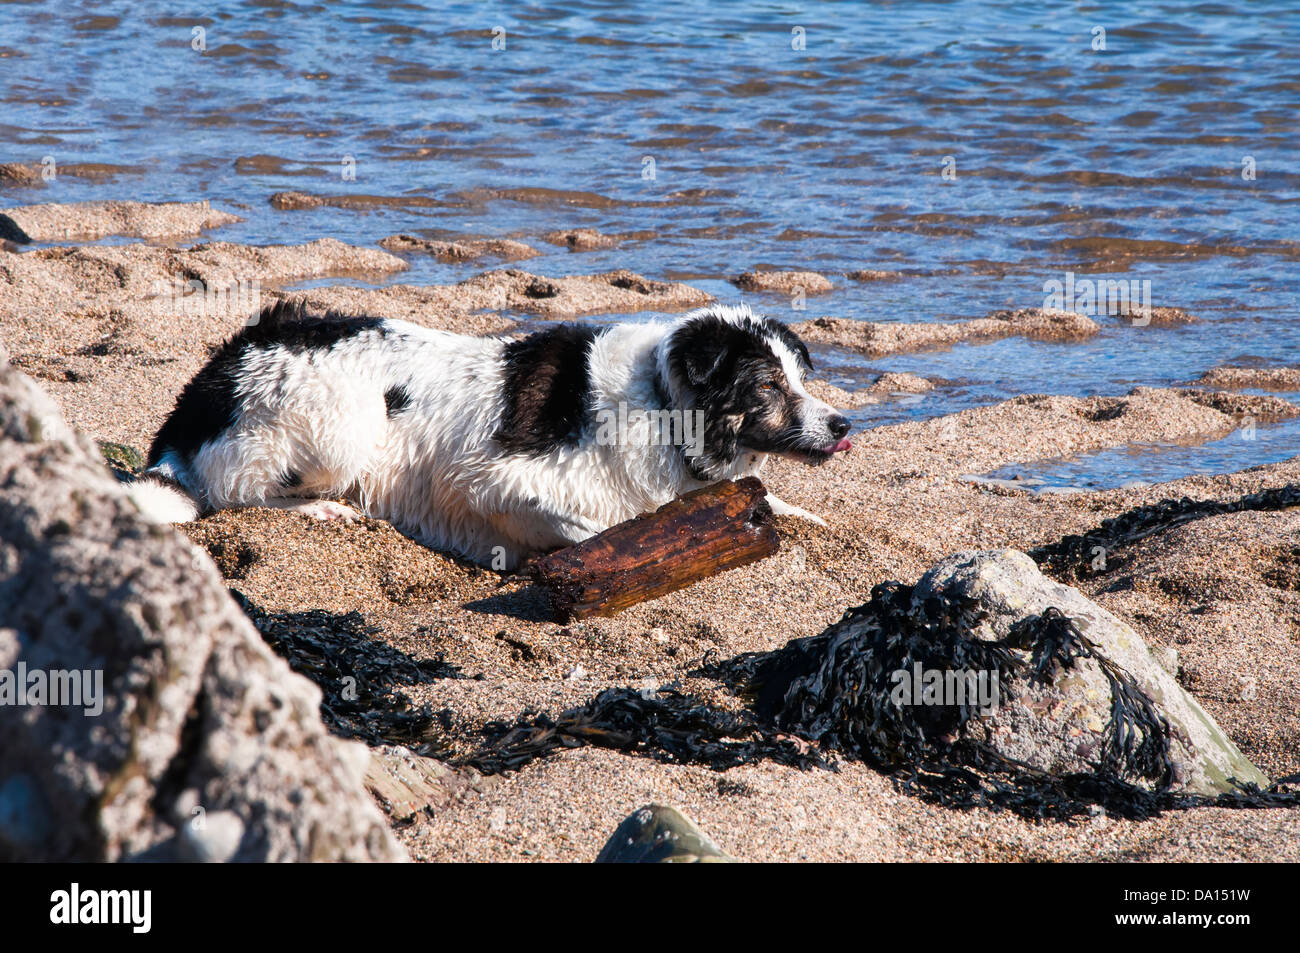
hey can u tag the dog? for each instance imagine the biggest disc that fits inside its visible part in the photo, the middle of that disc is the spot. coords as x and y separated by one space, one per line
495 449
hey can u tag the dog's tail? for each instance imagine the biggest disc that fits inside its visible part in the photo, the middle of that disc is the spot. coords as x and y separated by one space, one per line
161 496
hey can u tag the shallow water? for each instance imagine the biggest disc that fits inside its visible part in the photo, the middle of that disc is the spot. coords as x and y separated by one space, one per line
1125 161
1153 463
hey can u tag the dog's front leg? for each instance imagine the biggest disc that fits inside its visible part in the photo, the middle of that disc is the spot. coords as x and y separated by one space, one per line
571 529
781 508
540 528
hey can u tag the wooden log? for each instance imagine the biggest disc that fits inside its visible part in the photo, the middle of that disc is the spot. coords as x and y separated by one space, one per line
703 533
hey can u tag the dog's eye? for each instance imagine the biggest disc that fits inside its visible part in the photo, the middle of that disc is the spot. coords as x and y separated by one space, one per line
767 386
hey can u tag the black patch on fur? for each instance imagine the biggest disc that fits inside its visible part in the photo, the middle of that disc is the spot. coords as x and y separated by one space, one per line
396 399
207 404
289 324
546 389
291 480
724 363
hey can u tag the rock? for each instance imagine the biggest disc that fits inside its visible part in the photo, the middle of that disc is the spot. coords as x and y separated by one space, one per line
211 838
192 740
783 282
121 458
90 220
468 250
1058 727
657 834
1219 579
407 785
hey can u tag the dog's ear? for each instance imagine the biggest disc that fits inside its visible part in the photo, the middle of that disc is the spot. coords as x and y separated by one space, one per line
702 364
700 348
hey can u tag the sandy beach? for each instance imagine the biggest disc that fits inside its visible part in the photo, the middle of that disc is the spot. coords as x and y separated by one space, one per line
98 329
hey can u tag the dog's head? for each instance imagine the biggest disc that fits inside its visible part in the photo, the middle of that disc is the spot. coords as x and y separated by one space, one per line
745 373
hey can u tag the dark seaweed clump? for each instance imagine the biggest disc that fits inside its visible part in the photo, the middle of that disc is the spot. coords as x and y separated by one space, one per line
835 690
359 676
1073 556
830 695
667 725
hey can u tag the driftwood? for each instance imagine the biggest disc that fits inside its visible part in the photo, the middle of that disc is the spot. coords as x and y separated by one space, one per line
699 535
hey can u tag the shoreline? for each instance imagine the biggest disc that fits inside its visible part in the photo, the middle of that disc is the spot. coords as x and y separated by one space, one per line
82 320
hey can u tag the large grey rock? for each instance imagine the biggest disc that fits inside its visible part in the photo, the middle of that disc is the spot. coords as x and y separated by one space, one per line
207 747
1059 727
658 834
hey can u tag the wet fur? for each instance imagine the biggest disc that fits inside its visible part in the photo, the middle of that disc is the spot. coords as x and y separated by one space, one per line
482 446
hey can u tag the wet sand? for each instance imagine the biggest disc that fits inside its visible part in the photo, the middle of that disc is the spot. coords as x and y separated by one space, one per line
52 223
1260 378
876 339
470 250
590 239
1221 591
783 282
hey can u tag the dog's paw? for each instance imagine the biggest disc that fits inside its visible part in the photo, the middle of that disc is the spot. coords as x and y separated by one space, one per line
781 508
326 510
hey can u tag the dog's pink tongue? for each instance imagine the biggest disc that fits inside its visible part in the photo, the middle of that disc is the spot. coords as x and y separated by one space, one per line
839 445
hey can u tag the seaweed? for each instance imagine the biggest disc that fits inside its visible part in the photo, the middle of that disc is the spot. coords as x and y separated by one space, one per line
1072 556
1136 739
359 676
829 696
835 689
670 726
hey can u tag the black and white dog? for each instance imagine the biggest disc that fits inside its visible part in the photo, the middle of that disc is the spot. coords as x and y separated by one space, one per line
491 448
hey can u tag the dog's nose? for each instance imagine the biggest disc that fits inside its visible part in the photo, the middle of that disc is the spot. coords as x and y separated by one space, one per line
838 426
